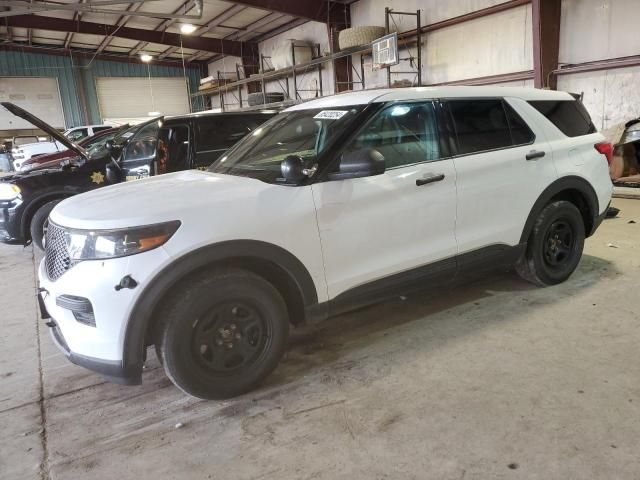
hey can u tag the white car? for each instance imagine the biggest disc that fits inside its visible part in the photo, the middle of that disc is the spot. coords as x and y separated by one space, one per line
22 153
333 204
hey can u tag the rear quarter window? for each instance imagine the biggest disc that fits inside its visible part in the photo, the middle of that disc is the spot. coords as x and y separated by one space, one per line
569 116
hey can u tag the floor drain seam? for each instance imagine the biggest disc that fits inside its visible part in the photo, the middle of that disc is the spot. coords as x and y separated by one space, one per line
44 435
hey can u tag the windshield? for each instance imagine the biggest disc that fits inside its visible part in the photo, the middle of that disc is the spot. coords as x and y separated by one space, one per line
96 144
303 133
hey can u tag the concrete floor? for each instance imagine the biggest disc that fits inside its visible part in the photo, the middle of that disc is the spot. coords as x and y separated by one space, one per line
494 380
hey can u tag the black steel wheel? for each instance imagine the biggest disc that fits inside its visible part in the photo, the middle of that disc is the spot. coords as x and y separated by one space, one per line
223 333
555 245
229 337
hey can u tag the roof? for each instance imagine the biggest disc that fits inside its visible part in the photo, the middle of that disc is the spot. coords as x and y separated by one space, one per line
417 93
264 111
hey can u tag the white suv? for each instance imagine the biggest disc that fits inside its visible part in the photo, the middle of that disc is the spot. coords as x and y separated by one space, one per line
331 205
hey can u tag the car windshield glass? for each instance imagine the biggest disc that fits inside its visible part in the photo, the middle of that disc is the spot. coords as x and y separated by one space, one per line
303 133
98 144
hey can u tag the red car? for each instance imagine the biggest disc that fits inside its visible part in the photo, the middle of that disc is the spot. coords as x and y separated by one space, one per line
53 159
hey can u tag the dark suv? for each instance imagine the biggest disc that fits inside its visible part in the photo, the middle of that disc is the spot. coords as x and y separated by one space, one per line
160 145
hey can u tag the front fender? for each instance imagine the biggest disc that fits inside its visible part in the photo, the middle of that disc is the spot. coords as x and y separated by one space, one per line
159 287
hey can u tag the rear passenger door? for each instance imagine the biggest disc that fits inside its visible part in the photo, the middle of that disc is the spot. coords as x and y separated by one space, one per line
217 133
503 164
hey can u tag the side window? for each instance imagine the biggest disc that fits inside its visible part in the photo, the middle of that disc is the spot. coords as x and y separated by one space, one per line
480 125
569 116
403 133
222 132
143 144
521 134
216 134
78 134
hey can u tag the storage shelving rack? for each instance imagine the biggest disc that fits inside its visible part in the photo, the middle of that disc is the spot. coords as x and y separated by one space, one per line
405 40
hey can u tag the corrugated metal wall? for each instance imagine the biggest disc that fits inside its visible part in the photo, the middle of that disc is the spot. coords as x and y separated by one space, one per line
70 71
19 64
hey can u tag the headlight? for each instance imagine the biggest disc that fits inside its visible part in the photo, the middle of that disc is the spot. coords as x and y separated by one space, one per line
8 192
101 244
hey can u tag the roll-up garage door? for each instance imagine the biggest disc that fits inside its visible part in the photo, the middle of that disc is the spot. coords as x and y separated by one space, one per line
131 99
38 95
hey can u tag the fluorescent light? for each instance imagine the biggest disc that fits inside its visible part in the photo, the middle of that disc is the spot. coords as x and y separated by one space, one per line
146 58
187 28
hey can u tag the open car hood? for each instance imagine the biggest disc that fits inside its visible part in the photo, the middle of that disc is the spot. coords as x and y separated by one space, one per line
35 121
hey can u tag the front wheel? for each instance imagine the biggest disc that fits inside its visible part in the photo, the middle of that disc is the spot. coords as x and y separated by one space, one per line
555 245
40 222
222 334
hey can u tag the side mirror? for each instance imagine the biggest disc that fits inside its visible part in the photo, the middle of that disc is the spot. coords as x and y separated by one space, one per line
110 146
294 169
112 173
365 162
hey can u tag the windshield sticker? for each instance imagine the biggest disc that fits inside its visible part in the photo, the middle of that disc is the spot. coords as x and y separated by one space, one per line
331 114
127 134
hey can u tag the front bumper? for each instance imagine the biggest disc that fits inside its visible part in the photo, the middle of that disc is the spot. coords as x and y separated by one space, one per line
98 347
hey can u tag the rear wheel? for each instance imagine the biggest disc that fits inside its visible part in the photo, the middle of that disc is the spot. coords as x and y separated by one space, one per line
222 334
40 222
555 245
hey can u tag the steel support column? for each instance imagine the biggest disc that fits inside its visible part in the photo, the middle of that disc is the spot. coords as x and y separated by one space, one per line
546 42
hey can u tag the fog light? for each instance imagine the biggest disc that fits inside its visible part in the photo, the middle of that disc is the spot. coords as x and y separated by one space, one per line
80 306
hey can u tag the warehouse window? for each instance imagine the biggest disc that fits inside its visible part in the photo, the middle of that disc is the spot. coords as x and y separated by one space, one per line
569 116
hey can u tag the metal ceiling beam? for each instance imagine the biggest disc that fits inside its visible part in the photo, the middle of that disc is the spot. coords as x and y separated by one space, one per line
316 10
120 23
546 42
215 45
185 7
252 27
210 25
69 36
24 7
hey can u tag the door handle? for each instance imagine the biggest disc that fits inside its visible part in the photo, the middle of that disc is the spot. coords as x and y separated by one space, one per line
429 179
534 155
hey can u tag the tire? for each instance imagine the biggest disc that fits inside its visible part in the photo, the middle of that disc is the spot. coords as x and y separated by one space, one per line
222 334
358 36
39 223
554 248
260 98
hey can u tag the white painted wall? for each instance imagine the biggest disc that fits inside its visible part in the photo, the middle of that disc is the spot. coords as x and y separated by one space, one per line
599 29
228 65
499 43
314 32
594 30
611 96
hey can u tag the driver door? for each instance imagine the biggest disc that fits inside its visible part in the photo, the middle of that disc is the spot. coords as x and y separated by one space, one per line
381 232
138 160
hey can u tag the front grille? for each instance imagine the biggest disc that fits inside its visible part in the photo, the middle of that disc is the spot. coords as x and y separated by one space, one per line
57 260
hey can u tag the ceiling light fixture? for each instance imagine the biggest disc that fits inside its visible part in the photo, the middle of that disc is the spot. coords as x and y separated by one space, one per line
187 28
146 58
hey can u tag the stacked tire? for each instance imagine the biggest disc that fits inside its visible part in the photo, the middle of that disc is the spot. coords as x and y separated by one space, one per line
356 36
261 98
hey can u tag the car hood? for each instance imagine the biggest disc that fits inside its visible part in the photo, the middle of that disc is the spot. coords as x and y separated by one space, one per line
153 200
34 172
35 121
